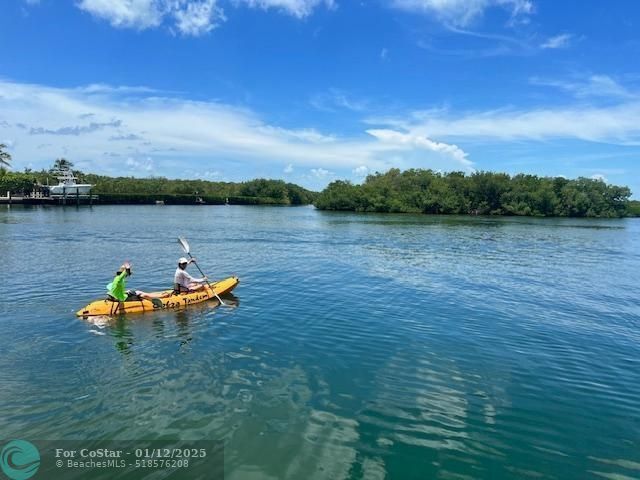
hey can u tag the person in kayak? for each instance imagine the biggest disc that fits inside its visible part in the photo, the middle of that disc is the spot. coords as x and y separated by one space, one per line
118 288
185 283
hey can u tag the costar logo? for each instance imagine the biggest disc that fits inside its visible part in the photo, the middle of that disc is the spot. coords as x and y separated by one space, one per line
19 460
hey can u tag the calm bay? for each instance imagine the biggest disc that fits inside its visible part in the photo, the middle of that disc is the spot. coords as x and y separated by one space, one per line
359 346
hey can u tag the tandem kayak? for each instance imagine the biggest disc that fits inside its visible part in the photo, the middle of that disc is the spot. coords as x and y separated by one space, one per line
174 301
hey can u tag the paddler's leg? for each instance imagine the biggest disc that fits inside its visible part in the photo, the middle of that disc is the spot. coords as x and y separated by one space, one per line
195 287
151 296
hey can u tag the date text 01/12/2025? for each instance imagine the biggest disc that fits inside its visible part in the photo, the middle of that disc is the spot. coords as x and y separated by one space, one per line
146 453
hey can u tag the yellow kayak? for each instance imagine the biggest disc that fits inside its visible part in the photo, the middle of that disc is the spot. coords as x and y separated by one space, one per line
174 301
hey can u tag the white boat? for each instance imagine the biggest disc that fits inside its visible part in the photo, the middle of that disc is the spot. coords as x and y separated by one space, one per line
67 185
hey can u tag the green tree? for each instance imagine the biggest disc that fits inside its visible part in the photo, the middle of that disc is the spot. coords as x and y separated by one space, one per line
61 164
339 195
17 182
486 193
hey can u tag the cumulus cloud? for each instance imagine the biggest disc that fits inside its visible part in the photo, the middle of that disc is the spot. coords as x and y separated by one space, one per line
463 12
422 142
197 18
288 169
142 165
361 171
321 173
297 8
185 17
559 41
140 14
190 17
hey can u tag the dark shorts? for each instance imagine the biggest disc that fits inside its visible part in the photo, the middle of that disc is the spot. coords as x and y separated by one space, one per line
132 296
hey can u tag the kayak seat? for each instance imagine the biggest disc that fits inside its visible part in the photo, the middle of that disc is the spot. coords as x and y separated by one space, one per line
179 289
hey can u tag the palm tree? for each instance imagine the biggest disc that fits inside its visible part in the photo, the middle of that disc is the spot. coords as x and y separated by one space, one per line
62 164
5 157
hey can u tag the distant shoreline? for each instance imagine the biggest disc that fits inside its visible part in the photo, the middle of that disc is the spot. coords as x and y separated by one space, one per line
410 191
633 211
142 199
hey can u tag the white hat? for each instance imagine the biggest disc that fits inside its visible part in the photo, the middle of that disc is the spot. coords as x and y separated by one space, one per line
183 260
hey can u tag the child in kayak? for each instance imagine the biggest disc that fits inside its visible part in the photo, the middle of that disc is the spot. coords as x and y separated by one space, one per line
118 292
185 283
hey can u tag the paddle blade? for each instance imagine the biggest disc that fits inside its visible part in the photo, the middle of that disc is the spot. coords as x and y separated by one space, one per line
183 243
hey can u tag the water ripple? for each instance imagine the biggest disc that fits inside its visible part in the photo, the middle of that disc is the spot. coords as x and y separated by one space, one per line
361 346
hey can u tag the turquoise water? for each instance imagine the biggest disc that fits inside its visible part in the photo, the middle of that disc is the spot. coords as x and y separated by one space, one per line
359 346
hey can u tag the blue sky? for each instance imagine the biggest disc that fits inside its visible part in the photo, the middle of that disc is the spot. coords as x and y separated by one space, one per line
316 90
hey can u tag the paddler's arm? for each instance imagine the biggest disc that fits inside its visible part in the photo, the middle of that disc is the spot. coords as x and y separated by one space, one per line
204 279
119 278
125 267
117 286
195 280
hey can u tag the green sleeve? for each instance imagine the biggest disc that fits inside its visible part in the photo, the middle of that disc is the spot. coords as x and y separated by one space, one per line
118 286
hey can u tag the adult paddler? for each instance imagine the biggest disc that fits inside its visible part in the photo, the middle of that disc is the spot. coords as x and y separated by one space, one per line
185 283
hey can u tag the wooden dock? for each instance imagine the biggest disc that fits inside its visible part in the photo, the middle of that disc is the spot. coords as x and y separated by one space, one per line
38 198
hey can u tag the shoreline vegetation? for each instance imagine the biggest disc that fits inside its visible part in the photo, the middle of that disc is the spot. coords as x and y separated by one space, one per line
395 191
480 193
132 191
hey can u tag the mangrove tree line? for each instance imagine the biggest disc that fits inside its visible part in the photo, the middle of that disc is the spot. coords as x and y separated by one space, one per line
140 190
482 193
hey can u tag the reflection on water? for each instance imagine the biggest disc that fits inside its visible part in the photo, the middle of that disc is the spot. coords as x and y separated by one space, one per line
161 324
366 346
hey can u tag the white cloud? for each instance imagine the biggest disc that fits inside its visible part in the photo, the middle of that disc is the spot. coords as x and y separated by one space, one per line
186 17
321 173
463 12
384 53
108 89
593 86
197 18
336 99
422 142
32 2
191 17
559 41
99 130
616 124
599 176
310 135
297 8
361 171
140 14
288 169
144 165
